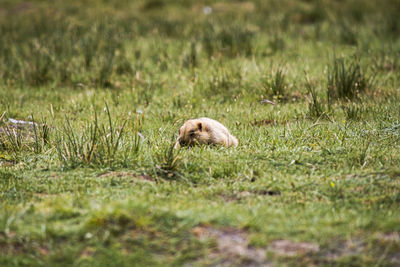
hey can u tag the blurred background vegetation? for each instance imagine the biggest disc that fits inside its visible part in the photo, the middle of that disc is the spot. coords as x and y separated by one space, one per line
105 43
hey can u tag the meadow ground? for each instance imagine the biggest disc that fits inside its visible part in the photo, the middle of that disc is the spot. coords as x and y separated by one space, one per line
315 179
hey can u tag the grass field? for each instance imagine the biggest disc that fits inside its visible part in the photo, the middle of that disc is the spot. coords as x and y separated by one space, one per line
95 180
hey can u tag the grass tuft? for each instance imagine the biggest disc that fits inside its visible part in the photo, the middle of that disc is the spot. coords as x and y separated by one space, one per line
276 85
346 80
167 161
97 143
315 106
20 138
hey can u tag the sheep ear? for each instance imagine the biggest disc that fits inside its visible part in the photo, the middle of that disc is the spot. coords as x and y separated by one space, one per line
200 126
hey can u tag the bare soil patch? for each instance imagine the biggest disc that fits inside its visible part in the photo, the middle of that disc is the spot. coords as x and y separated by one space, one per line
390 237
291 248
121 174
345 249
232 247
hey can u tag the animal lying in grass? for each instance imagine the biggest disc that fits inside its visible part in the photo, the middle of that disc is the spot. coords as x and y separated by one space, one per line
204 131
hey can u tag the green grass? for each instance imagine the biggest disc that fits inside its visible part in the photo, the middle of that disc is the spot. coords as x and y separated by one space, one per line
96 180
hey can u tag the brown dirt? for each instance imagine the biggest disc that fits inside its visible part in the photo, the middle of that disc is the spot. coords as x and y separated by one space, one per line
291 248
232 247
345 248
126 174
390 237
